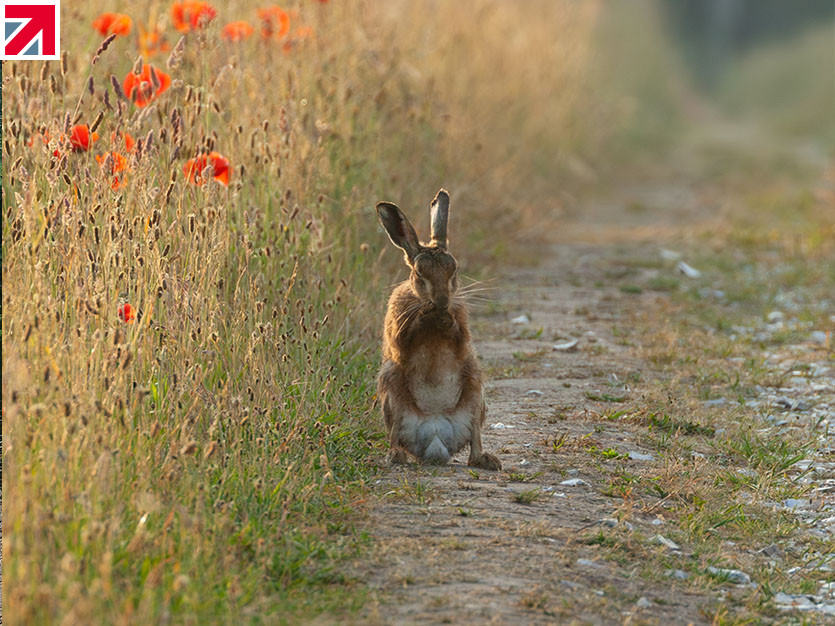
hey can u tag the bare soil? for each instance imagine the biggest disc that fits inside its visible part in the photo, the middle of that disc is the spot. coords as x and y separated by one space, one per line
455 545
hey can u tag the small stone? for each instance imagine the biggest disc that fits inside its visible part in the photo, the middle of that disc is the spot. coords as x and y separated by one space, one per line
795 503
574 482
787 601
500 426
524 462
802 405
522 319
572 472
732 575
784 402
535 392
773 551
775 316
716 402
587 563
638 456
677 573
667 543
566 346
818 337
608 522
688 270
643 603
657 522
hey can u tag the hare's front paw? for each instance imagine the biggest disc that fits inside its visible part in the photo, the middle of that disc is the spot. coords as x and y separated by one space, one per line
486 461
398 456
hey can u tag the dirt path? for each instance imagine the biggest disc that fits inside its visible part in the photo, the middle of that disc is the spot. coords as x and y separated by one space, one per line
527 545
460 546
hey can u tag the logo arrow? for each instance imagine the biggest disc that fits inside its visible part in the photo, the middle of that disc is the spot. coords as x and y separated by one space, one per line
41 19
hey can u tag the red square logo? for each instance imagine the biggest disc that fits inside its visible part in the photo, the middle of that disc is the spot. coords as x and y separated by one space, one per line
31 30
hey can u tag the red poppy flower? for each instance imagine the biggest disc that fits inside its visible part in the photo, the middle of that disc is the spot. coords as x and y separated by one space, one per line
129 141
152 42
275 22
118 168
81 138
141 89
237 31
113 23
191 14
127 313
56 153
302 33
221 169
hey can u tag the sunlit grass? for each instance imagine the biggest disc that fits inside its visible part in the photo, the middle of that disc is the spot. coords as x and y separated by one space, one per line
205 461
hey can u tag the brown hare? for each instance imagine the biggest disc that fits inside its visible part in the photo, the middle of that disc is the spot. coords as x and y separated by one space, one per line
430 383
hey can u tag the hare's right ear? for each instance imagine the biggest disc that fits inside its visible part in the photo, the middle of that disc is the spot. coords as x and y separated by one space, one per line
399 229
439 218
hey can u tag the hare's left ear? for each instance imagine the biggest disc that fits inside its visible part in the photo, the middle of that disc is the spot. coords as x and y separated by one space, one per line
439 215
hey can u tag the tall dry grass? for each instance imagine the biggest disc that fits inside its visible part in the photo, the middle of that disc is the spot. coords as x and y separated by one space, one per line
204 463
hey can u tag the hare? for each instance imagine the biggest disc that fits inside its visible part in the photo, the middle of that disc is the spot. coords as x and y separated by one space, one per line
430 383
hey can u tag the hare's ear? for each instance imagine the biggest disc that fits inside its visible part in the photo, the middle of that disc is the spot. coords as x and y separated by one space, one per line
439 214
399 229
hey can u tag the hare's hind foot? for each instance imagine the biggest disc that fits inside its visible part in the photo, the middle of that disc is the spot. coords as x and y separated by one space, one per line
486 461
398 456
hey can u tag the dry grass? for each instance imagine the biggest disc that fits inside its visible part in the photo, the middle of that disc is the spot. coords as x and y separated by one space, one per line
722 467
204 462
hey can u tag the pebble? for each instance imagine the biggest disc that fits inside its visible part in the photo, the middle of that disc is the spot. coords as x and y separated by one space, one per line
643 603
789 602
662 540
522 319
566 346
657 522
500 426
773 550
587 563
688 270
775 316
638 456
574 482
732 575
707 292
818 337
535 392
677 573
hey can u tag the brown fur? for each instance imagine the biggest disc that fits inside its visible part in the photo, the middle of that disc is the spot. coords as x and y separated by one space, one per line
426 340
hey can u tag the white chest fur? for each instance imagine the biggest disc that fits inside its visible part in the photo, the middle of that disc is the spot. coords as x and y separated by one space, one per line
435 381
